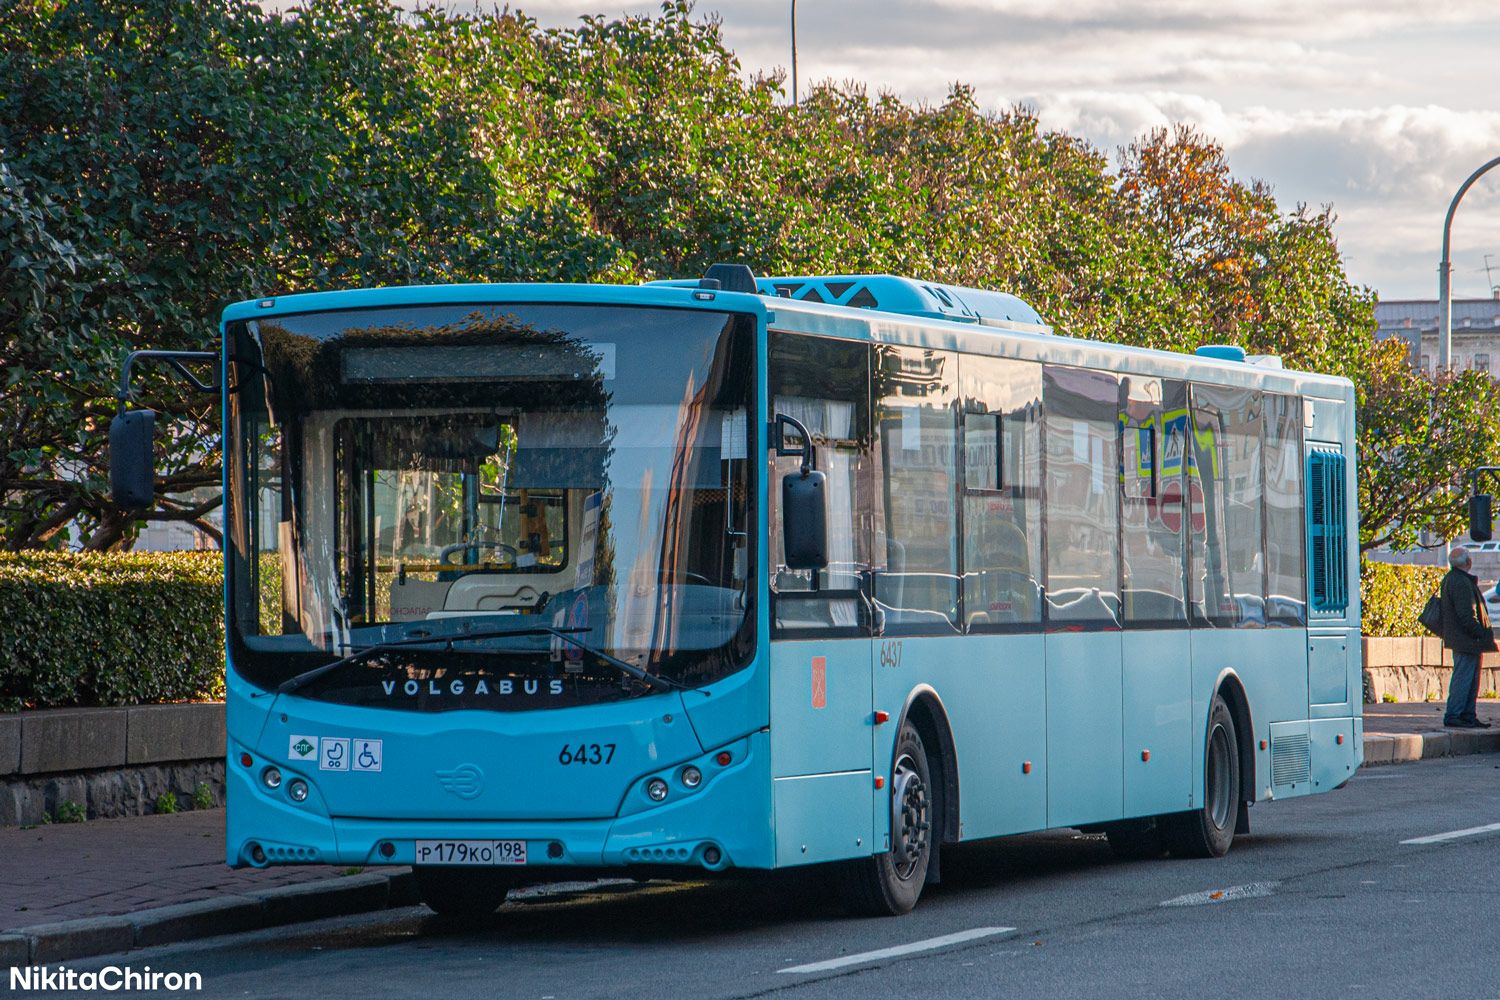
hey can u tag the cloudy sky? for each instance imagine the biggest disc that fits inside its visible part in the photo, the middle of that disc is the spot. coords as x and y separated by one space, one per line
1379 107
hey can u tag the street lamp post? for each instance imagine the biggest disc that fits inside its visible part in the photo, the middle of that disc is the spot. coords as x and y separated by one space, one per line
794 58
1445 269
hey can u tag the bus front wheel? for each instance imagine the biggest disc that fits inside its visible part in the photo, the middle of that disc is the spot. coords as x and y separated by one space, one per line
461 891
888 884
1207 832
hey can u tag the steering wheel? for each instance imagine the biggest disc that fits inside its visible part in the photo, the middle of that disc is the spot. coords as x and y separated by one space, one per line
668 576
507 552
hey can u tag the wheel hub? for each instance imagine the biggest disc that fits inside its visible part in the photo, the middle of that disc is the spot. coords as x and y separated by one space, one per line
911 821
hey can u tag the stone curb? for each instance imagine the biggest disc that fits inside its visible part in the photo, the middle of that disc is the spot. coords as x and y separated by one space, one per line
1402 748
43 944
15 950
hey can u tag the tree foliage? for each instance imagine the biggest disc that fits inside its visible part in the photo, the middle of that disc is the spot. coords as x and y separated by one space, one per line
160 158
163 158
1419 437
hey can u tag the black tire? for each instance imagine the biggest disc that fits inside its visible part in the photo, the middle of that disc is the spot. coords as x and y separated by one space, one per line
461 891
1136 839
1208 832
889 884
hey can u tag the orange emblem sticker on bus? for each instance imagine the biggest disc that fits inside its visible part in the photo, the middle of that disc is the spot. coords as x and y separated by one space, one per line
820 682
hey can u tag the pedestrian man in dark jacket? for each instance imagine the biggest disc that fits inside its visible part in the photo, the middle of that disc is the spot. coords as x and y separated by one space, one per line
1466 631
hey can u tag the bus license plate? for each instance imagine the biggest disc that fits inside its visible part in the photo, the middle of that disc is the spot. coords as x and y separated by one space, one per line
471 852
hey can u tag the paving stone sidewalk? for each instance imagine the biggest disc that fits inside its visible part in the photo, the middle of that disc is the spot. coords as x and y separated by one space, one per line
109 867
1402 717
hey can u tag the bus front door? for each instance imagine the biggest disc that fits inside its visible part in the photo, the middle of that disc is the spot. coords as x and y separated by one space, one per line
820 749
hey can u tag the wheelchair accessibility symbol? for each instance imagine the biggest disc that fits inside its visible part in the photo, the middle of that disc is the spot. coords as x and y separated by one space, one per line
367 755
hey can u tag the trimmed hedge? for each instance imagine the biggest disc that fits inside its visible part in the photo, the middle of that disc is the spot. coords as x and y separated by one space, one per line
1392 596
110 629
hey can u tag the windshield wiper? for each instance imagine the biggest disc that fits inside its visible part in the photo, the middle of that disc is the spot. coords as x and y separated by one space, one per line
629 668
566 634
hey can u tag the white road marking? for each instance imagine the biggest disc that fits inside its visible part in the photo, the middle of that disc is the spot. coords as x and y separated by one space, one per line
1438 838
930 944
1253 890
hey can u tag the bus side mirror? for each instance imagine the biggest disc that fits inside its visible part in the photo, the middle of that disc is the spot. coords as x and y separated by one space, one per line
132 460
804 519
1481 517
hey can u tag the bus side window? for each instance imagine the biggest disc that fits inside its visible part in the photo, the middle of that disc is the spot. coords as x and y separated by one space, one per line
1228 577
1002 468
1153 498
1082 471
916 574
1286 602
825 385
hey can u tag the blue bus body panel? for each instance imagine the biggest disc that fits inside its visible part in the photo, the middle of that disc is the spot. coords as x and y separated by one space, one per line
1157 675
476 764
731 810
1084 736
823 817
1328 674
1271 665
1333 755
992 689
820 711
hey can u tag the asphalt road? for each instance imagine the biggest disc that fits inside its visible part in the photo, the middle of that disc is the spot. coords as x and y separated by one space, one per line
1322 899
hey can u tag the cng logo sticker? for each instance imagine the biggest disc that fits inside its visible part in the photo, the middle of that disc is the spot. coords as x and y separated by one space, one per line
819 682
303 748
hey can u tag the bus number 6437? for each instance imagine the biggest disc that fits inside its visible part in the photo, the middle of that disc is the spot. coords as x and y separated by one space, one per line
587 753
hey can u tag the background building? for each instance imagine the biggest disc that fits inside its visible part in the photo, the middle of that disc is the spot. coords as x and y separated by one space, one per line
1476 330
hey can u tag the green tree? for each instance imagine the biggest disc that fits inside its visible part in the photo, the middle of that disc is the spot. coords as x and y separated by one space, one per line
164 157
1419 437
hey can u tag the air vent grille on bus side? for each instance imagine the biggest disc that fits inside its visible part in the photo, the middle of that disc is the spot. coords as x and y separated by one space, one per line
1291 760
1327 532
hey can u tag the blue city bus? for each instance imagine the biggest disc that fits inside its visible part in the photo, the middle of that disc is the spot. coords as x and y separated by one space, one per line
751 573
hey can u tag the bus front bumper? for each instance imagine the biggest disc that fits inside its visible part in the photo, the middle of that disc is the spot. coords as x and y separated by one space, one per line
725 823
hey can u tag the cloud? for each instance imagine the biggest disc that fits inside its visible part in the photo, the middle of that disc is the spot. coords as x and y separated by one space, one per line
1391 173
1268 18
1388 172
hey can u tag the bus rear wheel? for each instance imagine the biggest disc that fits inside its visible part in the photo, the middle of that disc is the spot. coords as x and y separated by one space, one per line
1207 832
889 884
462 891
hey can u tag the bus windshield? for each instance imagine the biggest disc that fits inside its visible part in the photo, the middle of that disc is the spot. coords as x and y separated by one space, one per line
433 471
